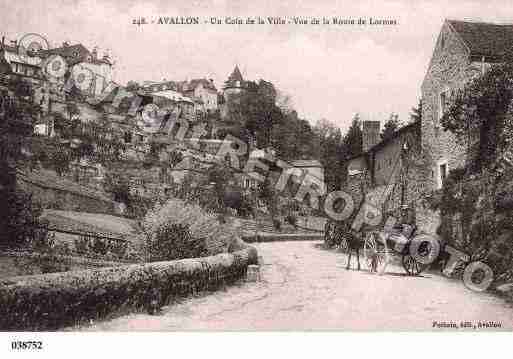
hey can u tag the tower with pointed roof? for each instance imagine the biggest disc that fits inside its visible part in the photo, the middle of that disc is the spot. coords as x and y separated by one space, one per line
235 83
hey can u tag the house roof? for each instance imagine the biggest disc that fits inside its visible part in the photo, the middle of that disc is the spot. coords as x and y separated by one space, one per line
75 54
72 53
484 39
409 127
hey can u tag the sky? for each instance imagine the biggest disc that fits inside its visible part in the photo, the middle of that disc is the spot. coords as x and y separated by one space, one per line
328 71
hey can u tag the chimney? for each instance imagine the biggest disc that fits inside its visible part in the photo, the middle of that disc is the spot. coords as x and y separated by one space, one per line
370 134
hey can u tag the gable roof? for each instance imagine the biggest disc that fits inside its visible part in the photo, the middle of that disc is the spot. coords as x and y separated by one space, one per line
72 53
413 127
484 39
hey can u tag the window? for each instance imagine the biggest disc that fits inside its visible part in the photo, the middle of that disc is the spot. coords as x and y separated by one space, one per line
443 102
442 106
443 172
128 137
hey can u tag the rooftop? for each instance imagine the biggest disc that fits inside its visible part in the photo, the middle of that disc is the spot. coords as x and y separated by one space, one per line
484 39
414 126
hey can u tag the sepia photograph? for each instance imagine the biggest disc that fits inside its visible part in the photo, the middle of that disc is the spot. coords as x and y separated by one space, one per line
255 167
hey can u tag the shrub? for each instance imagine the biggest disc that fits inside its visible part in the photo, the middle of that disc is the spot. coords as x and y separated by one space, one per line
277 224
291 219
174 241
19 219
184 230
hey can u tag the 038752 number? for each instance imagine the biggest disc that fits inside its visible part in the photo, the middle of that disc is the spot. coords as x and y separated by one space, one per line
26 345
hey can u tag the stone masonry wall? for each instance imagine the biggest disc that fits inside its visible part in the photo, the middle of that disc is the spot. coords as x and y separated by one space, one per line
450 68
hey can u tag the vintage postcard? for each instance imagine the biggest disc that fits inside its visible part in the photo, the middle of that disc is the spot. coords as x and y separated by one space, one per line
173 166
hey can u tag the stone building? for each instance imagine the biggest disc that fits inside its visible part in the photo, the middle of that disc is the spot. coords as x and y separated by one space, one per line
78 55
202 89
235 84
463 51
387 172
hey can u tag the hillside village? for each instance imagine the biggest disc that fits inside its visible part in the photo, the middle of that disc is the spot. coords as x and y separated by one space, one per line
115 184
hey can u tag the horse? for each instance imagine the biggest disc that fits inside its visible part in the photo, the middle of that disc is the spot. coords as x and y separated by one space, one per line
354 244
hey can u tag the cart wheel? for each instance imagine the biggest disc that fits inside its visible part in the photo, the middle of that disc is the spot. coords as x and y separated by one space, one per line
412 266
375 253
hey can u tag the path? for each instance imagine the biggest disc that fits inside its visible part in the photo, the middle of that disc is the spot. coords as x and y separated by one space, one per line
307 288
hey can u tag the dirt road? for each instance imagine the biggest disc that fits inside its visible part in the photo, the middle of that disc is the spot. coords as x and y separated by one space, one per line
306 288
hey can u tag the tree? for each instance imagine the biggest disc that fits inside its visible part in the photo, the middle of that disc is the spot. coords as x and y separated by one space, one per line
353 140
331 154
132 86
18 214
416 112
390 127
482 109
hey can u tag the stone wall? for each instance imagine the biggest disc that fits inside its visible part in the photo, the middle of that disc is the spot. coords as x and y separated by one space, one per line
51 301
14 264
450 69
58 193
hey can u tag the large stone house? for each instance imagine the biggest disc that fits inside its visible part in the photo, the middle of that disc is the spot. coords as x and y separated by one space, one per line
203 90
463 51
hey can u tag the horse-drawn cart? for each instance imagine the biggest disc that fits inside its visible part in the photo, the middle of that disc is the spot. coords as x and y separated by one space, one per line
380 246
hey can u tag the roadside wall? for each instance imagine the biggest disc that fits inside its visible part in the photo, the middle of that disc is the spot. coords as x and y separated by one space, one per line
51 301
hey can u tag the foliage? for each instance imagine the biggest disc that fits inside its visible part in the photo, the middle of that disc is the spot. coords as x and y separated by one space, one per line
390 127
132 86
19 223
472 221
277 224
195 227
174 241
416 112
353 140
480 110
268 195
331 148
291 219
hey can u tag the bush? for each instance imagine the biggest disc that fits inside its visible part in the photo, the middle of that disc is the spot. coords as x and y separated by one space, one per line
184 230
277 224
174 241
291 219
19 219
